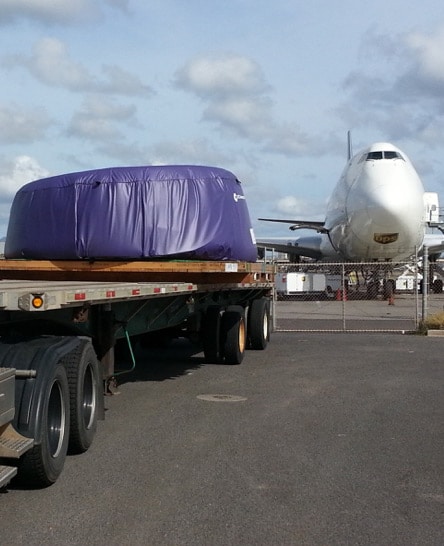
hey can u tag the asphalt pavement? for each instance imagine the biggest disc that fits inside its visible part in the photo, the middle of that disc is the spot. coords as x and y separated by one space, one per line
402 314
321 439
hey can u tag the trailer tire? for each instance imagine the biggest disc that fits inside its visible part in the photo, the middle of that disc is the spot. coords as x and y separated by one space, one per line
259 323
233 335
82 369
42 465
211 332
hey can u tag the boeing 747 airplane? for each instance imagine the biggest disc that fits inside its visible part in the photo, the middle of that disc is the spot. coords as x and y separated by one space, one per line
378 211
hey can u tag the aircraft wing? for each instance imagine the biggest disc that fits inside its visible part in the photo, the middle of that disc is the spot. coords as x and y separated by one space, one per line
301 246
318 246
299 224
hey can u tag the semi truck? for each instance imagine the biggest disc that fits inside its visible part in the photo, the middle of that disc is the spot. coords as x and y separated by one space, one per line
59 324
101 257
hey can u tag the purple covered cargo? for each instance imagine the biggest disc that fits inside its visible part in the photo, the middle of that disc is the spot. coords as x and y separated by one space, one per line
186 212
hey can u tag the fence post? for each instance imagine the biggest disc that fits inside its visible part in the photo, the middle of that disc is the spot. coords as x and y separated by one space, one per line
273 308
343 297
415 289
425 282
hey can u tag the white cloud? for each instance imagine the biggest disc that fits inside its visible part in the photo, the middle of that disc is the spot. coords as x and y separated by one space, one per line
233 88
22 125
197 151
428 51
122 82
98 116
250 118
64 12
47 11
235 92
52 65
222 76
401 91
14 174
292 141
17 172
291 206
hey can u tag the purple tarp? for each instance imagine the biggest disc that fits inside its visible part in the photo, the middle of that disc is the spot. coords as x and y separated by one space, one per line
189 212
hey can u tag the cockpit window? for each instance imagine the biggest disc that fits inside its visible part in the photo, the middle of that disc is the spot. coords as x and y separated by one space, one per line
392 155
384 155
374 155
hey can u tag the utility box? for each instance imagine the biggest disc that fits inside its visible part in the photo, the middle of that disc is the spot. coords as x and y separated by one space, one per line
292 284
405 282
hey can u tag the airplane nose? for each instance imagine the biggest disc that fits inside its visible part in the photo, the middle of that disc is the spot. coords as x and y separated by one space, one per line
388 209
390 202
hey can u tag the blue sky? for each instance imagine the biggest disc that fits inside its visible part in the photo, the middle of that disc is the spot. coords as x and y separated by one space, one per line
265 89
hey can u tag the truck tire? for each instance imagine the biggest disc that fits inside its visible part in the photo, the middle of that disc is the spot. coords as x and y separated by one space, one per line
233 335
42 465
259 323
82 369
211 332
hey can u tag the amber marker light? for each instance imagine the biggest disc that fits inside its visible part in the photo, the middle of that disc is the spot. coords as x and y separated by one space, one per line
37 302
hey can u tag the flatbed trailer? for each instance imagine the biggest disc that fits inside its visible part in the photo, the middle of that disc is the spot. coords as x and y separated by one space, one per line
59 325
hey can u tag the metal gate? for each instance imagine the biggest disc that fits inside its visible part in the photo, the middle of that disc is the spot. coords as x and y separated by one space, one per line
350 297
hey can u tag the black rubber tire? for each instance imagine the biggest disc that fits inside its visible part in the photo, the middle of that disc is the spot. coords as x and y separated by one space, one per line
389 288
437 286
43 464
372 290
259 324
82 370
211 334
233 336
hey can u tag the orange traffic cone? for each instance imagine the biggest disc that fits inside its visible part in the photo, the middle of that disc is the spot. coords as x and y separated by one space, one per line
341 295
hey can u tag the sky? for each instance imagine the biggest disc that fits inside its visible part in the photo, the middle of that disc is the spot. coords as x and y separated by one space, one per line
265 89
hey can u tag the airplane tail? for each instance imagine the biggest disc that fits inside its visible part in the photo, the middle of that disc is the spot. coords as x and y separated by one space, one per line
349 146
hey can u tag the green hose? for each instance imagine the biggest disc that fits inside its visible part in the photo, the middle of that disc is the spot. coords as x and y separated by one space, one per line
133 359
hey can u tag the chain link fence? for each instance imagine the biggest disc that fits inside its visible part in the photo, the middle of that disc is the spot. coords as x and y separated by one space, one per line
350 297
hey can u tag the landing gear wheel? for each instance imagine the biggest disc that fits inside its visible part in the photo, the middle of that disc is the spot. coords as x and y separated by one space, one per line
42 465
82 369
233 335
437 286
259 323
211 334
372 290
389 288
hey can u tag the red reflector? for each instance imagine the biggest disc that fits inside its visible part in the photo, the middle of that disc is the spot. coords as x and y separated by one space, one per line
110 293
136 292
80 296
156 290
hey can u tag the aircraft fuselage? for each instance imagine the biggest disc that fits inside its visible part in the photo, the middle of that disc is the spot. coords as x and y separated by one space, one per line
376 210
